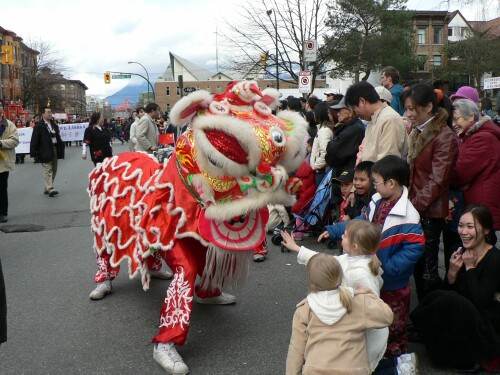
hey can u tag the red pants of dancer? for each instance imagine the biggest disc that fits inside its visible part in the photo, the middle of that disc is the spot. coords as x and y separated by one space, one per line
399 301
106 271
187 260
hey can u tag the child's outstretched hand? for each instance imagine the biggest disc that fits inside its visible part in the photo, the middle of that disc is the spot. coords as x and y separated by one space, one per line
323 235
289 242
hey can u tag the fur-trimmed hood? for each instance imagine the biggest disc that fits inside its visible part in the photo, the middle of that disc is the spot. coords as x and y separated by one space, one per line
418 140
474 128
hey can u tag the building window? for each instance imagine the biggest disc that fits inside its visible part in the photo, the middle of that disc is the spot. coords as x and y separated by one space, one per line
436 60
422 59
178 91
421 35
437 35
168 107
450 31
168 90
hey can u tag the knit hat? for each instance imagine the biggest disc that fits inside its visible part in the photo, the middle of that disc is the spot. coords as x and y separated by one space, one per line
466 92
383 93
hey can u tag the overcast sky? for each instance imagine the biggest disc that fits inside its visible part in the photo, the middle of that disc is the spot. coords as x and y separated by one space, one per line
95 36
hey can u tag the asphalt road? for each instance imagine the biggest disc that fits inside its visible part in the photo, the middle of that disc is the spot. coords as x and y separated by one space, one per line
53 327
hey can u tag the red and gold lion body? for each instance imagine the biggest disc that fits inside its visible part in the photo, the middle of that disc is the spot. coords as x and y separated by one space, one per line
204 210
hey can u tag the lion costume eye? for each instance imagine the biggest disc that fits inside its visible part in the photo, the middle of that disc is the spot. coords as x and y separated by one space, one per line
278 137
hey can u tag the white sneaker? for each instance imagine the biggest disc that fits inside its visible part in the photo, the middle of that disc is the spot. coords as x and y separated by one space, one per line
223 299
406 368
161 274
101 290
167 357
259 257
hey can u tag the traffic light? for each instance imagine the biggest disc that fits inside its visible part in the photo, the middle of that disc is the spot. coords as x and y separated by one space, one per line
107 77
7 57
263 58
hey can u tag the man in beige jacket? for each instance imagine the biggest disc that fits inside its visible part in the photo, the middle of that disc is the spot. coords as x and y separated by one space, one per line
147 131
386 133
9 139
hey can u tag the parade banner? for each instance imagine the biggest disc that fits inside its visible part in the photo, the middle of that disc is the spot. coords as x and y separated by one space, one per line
69 132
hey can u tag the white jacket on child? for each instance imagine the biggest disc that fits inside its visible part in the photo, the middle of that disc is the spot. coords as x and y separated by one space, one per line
357 274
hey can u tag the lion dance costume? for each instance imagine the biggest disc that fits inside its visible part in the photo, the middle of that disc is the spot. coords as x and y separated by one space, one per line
204 210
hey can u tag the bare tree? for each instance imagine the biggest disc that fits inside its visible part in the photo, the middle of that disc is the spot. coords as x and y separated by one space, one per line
253 35
41 76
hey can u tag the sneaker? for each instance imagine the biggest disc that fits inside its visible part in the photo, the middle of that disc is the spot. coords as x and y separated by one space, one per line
53 193
46 192
3 218
223 299
101 290
406 368
161 274
167 357
259 257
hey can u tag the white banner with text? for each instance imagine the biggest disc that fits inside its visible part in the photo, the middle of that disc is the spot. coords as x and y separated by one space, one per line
69 132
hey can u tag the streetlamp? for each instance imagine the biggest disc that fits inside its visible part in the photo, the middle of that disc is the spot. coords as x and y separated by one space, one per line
276 44
147 75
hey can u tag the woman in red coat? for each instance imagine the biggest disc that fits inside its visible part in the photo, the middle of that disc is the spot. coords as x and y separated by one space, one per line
477 171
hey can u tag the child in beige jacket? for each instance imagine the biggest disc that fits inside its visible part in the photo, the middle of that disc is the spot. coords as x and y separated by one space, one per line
328 332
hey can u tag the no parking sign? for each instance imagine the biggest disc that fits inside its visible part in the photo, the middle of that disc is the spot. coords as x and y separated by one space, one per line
310 48
305 81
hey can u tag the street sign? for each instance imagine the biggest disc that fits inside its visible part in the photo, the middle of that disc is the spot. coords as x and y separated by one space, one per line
121 76
310 49
189 89
305 81
491 83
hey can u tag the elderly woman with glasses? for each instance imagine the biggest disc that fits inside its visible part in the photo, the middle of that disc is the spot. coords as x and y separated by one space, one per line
477 171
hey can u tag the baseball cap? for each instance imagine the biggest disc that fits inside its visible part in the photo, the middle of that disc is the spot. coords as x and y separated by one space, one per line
345 176
466 92
339 105
384 93
329 93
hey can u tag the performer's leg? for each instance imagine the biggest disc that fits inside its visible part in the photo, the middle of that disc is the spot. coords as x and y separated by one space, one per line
105 274
260 252
155 267
186 259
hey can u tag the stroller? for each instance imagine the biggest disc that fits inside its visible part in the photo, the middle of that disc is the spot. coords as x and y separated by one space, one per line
314 215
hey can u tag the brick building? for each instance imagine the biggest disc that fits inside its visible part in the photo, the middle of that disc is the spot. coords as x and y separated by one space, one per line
14 76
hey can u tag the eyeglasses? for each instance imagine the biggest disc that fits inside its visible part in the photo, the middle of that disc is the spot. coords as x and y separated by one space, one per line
375 183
